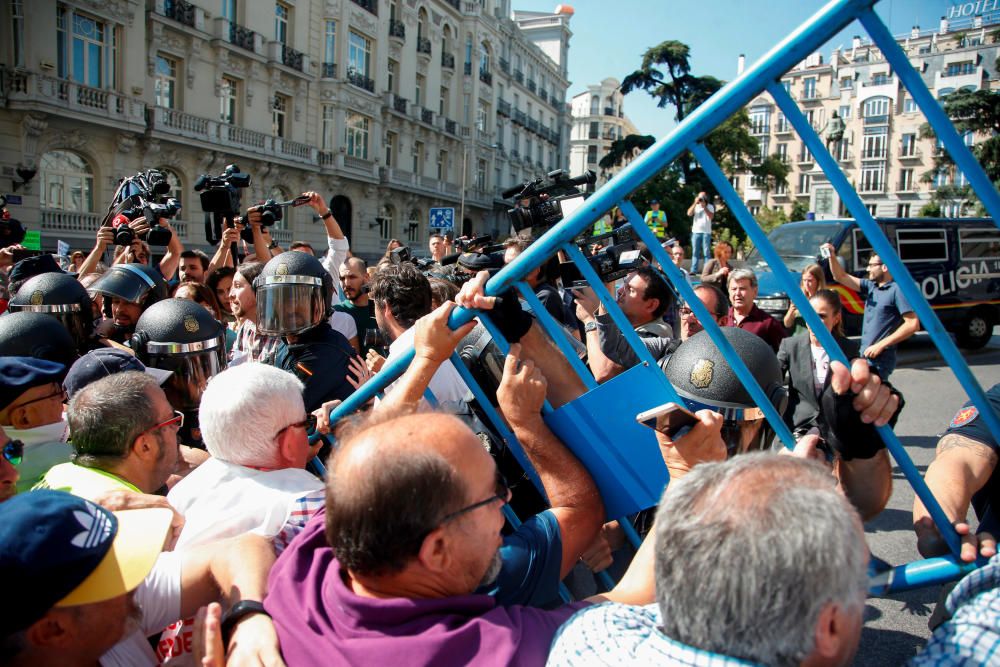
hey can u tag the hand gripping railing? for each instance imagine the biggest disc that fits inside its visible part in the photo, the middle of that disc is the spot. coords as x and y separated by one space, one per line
762 76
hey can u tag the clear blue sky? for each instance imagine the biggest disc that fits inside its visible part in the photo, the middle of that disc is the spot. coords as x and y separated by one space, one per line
610 36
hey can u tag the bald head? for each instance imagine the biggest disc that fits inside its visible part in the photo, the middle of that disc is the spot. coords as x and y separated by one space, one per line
390 482
353 277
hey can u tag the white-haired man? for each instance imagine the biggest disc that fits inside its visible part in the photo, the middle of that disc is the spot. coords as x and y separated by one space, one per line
254 425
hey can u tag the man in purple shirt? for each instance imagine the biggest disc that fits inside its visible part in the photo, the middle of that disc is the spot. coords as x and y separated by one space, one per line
745 314
414 513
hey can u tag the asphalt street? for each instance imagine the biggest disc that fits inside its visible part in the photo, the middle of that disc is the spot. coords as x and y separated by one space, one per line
896 627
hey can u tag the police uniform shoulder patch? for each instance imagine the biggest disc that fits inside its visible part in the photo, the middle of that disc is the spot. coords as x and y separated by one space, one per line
964 416
190 324
282 270
701 373
37 298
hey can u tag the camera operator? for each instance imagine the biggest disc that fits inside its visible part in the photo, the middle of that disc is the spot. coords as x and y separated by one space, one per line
138 251
541 280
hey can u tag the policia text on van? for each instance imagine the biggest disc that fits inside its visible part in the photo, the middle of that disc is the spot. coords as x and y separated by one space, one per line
956 262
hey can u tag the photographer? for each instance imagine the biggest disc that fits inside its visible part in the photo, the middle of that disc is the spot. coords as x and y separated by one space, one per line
138 251
702 213
541 280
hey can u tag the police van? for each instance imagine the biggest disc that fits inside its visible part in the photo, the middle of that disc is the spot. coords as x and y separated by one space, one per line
956 262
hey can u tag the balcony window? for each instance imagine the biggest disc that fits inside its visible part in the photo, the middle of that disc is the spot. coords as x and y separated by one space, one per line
356 135
805 184
165 84
876 111
958 69
329 44
418 158
17 31
442 166
329 127
229 10
809 88
279 116
906 180
390 149
67 182
872 179
359 54
86 49
228 95
908 148
591 154
281 17
880 79
392 73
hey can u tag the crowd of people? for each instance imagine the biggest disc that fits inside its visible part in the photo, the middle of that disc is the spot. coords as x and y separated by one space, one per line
174 491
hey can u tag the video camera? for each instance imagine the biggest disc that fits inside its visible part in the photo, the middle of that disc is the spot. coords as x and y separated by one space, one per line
220 197
404 254
542 208
142 196
611 263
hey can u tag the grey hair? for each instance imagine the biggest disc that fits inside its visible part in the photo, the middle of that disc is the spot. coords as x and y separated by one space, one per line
749 552
242 410
106 417
743 274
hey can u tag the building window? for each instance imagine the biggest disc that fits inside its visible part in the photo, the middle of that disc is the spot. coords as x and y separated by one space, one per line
876 110
466 109
228 94
902 210
329 47
941 177
872 209
595 105
910 105
443 102
845 111
86 49
418 158
229 10
484 58
442 166
359 54
281 16
875 144
880 79
906 180
846 82
418 90
908 148
393 76
594 130
390 149
356 135
329 127
279 116
809 88
468 53
805 184
17 31
873 178
176 189
783 152
165 83
482 115
481 175
591 154
780 188
67 182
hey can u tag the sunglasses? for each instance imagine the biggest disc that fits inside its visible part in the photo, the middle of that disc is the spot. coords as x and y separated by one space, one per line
13 451
309 424
501 493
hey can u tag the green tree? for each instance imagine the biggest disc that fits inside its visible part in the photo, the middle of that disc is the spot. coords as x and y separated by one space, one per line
799 210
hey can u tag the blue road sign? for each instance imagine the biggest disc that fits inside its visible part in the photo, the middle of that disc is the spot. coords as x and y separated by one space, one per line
442 218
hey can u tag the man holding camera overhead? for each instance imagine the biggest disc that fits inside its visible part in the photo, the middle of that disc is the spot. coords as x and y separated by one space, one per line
702 213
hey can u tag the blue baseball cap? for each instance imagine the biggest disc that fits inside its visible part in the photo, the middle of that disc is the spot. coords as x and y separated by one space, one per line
19 374
101 363
60 550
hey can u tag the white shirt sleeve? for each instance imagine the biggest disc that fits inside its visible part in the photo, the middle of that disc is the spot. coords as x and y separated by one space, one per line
334 257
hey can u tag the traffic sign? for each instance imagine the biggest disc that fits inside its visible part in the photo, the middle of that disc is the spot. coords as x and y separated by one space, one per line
442 218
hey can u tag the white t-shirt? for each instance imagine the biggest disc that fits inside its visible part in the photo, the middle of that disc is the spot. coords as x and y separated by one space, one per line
446 385
821 367
701 223
345 324
159 597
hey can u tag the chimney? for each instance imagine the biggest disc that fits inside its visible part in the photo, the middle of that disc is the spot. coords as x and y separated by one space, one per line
856 42
741 64
915 32
943 27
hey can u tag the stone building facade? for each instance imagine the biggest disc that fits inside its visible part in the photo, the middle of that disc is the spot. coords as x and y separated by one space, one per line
386 107
598 119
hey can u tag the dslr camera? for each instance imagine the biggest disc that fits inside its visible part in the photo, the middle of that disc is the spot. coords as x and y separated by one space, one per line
142 196
537 205
220 197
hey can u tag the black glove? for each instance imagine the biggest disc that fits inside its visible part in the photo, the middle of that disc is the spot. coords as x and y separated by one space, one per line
841 427
509 317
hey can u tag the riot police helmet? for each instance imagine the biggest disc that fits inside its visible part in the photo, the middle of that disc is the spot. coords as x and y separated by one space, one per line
181 336
27 334
135 283
61 296
705 379
294 294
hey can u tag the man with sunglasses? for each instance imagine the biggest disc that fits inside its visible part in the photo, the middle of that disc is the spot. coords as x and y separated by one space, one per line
124 438
31 412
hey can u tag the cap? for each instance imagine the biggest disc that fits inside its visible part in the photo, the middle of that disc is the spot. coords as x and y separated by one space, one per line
103 362
59 550
654 201
19 374
30 267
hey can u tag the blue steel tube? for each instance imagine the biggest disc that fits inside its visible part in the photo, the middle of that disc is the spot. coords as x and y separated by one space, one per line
908 286
557 334
918 574
960 153
742 372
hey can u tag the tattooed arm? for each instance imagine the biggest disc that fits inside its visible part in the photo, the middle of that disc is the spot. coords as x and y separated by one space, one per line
961 467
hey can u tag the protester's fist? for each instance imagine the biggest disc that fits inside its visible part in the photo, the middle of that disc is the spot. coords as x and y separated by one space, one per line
472 294
522 388
434 340
702 443
875 401
598 556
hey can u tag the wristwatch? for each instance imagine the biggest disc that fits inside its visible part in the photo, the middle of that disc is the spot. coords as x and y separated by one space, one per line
327 215
239 611
590 326
274 244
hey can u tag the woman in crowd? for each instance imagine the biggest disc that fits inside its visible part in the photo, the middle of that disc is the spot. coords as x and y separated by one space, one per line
716 271
203 295
812 281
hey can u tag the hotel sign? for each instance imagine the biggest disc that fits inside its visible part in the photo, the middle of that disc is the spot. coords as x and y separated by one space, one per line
975 8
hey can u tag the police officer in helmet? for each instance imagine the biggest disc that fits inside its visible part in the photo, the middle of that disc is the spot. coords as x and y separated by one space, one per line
130 289
294 294
62 297
182 336
27 334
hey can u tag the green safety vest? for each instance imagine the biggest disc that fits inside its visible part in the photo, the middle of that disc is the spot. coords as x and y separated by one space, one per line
657 222
602 226
84 482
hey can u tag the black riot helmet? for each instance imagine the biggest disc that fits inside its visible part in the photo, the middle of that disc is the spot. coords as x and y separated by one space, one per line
706 380
136 283
294 294
181 336
36 335
61 296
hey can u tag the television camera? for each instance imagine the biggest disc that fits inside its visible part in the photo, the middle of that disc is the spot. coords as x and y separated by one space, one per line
142 196
538 206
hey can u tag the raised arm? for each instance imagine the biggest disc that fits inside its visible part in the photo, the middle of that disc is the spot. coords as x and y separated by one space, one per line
587 307
105 237
172 257
837 271
573 496
223 255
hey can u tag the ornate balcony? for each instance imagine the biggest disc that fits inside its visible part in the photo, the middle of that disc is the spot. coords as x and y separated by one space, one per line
505 65
369 5
519 76
503 108
397 29
242 37
291 58
447 60
329 70
423 45
180 11
486 77
427 116
356 78
531 85
399 104
450 126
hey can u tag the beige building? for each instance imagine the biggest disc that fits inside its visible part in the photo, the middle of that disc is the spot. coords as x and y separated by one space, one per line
882 153
386 107
598 119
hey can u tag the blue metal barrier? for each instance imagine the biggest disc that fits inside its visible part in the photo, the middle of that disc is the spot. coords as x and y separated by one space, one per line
617 477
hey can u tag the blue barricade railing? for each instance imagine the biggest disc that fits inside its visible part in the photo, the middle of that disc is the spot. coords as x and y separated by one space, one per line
621 458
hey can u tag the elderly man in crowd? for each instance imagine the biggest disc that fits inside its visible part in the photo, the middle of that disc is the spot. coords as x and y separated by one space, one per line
124 438
785 583
745 314
31 411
